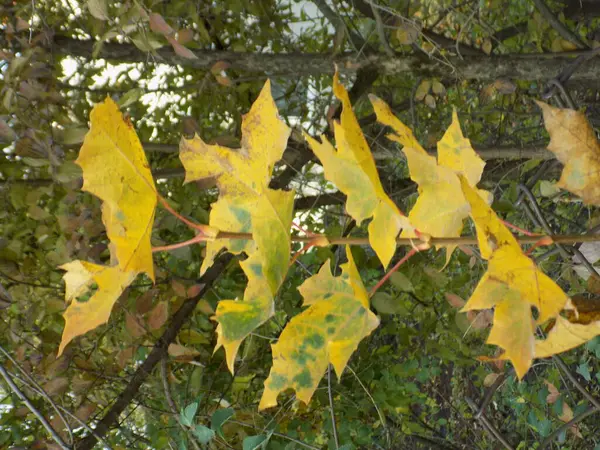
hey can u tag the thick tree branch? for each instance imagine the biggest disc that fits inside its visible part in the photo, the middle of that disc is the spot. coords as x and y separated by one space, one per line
539 66
158 352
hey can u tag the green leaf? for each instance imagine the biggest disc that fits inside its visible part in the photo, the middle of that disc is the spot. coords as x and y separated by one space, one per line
203 434
188 414
146 43
130 97
72 136
219 417
387 304
401 282
255 442
584 370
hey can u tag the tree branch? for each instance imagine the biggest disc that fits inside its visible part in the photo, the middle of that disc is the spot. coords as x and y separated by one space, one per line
538 66
488 425
33 409
169 397
558 26
158 352
338 23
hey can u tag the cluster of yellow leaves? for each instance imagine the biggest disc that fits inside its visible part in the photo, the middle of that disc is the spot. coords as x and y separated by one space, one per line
338 313
115 169
247 205
441 206
352 168
512 284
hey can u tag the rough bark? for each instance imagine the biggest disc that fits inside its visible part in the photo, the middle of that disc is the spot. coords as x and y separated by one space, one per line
522 66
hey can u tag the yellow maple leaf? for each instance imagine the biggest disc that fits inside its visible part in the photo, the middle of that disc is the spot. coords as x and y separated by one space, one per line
565 336
116 170
573 141
352 168
247 205
81 317
512 284
329 331
441 207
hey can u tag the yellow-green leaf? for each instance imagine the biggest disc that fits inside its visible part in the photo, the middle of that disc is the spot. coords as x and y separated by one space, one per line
329 331
512 284
441 207
116 170
573 141
352 168
247 205
81 317
565 336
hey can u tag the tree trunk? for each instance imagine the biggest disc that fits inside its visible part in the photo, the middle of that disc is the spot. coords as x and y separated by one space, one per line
521 66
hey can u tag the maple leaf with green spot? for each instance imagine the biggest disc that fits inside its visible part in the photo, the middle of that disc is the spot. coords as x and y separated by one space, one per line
116 170
329 331
247 205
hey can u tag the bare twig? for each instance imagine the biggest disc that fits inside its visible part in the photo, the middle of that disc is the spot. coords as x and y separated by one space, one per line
33 409
331 410
41 391
171 402
488 425
491 391
157 353
561 364
380 29
410 242
274 433
564 251
379 413
558 26
565 426
338 23
37 391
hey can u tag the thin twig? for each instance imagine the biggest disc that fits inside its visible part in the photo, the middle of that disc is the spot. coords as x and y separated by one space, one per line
380 29
561 364
491 391
416 242
171 402
544 224
488 425
35 390
379 413
336 20
33 409
331 410
558 26
42 392
566 426
392 270
274 433
160 349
